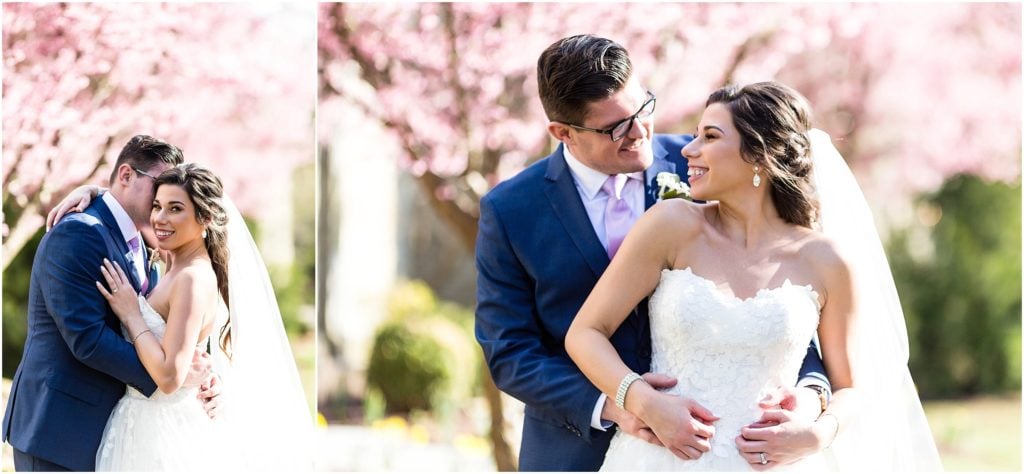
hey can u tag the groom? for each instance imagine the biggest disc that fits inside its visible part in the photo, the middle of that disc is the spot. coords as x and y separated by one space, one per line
76 363
546 236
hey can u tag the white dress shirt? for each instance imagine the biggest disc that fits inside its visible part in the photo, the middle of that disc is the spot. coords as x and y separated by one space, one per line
129 231
588 183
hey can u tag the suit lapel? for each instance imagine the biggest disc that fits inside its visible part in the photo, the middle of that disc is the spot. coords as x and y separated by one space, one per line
110 222
565 201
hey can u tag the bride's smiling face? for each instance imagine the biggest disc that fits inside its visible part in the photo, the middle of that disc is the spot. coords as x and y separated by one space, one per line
173 218
715 164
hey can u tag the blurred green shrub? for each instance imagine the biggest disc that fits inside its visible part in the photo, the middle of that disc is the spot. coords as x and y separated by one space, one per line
16 279
407 366
293 288
960 287
423 356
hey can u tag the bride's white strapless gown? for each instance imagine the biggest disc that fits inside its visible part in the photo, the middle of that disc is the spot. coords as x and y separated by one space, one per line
727 353
165 432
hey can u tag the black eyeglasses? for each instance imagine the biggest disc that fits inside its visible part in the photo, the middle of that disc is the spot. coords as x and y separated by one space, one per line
143 173
622 128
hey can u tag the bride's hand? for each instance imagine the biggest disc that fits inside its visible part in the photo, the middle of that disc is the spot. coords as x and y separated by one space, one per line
786 432
76 201
681 424
121 297
628 422
782 436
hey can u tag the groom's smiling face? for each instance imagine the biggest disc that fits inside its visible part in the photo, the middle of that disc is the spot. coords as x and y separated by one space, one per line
630 154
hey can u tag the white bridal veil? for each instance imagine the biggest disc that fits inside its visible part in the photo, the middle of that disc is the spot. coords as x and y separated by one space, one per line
890 432
268 422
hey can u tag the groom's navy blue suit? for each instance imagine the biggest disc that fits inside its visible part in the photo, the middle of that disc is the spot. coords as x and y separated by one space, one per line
537 259
76 363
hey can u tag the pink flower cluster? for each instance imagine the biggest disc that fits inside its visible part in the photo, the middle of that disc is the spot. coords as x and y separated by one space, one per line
911 93
228 83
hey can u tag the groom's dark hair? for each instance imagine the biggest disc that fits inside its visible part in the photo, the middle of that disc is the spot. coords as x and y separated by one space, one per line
144 151
578 70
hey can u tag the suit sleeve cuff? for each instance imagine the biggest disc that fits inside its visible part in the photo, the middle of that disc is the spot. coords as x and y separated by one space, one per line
595 420
814 378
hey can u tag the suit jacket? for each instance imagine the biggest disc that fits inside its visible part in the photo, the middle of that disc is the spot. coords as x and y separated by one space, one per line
537 259
76 362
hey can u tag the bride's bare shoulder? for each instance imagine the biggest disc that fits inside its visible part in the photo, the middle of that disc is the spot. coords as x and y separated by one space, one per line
196 279
678 217
820 247
827 258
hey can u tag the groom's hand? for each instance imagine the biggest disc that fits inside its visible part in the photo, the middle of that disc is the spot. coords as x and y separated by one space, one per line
628 423
209 394
801 400
200 370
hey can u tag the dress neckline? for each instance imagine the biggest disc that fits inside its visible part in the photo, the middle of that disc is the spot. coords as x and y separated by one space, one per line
811 293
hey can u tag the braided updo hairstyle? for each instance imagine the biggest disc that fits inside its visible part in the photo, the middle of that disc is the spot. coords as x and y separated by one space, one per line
206 191
773 121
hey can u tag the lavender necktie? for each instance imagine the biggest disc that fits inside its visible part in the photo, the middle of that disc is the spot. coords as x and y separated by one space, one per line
140 270
618 217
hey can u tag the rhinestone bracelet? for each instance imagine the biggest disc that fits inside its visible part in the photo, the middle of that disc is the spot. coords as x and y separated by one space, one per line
620 395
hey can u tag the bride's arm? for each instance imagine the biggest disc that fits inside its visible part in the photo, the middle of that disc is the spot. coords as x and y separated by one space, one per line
633 274
167 361
784 437
76 201
836 331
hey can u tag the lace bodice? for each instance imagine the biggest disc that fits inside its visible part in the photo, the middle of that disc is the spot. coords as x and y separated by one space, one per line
156 323
165 432
726 352
153 320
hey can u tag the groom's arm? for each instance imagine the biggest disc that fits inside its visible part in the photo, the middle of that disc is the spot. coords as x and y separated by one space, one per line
812 372
509 332
71 269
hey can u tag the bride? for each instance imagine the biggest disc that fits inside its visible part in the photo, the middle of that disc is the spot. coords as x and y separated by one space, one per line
215 296
741 283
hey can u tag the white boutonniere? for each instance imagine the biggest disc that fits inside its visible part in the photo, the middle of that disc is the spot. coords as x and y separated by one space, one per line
156 260
670 186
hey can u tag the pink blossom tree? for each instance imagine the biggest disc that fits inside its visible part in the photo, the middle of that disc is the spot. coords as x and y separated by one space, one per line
910 93
920 91
230 84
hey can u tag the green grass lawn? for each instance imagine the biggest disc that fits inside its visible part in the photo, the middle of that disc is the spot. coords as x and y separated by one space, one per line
978 434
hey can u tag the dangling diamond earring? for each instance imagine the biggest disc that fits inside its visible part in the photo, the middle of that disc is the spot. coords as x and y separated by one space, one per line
757 176
204 233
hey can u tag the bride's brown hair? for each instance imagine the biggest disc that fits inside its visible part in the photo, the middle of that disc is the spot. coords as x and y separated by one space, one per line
773 121
206 191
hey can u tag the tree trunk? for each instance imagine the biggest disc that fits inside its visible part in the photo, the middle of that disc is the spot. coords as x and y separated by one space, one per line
465 226
503 458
